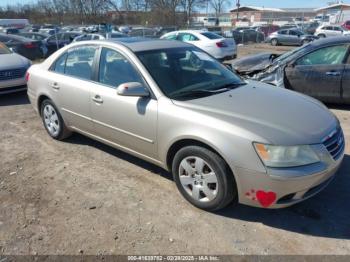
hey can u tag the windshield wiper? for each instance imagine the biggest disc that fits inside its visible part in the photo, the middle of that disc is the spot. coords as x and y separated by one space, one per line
201 92
229 86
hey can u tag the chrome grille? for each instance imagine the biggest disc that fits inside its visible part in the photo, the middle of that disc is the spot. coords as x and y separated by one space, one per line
335 143
12 74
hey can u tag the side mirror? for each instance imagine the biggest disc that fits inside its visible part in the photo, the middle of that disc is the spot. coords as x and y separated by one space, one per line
132 89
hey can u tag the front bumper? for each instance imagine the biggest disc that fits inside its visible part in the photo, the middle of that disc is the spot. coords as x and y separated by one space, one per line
13 85
284 187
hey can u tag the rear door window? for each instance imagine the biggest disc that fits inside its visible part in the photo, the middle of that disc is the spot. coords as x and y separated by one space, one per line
187 37
60 64
333 55
79 62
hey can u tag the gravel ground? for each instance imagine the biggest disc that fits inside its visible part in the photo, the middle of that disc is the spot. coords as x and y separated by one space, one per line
80 196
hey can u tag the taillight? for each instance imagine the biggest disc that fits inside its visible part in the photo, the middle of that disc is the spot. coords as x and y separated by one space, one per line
221 44
27 77
29 45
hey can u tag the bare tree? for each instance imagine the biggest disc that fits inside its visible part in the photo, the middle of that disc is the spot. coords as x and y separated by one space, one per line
190 5
218 6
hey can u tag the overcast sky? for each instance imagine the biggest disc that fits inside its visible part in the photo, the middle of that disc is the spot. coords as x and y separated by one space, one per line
265 3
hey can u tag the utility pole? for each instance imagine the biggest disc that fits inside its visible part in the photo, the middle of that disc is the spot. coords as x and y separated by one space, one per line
238 5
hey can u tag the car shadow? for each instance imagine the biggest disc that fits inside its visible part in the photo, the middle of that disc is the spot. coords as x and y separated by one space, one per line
324 215
338 107
83 140
18 98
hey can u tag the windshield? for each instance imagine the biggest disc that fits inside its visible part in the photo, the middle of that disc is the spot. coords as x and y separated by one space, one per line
180 72
4 50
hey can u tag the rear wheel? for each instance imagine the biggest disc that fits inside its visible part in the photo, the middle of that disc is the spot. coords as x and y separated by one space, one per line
203 178
274 42
53 121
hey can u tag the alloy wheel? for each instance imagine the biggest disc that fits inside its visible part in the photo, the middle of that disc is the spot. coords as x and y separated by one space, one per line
51 120
198 179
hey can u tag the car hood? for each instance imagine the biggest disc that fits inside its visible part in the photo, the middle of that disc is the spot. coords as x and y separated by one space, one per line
13 60
253 63
276 115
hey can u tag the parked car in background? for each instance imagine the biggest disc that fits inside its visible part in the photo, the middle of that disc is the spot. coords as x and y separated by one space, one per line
267 29
37 37
245 36
86 37
320 69
310 28
331 30
47 31
322 18
219 47
34 35
346 25
172 104
28 48
60 40
143 32
288 26
12 70
290 37
9 30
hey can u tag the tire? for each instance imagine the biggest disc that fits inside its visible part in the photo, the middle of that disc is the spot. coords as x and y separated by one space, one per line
53 121
321 36
274 42
210 186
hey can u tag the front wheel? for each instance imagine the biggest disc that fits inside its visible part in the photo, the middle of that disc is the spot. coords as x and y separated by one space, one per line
203 178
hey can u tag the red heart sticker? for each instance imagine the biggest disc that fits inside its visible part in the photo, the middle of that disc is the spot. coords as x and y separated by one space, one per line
266 199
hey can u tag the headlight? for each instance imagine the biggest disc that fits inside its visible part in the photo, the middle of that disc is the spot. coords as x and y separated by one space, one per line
286 156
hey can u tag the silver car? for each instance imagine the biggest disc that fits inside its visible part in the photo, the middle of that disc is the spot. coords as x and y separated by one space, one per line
12 71
170 103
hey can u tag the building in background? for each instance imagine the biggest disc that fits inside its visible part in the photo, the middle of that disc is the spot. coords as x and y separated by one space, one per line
337 13
262 15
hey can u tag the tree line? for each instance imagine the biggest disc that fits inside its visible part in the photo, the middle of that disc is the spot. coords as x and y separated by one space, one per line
145 12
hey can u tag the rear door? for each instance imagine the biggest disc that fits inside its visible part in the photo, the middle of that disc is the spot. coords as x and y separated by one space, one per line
283 36
293 37
71 80
319 73
346 82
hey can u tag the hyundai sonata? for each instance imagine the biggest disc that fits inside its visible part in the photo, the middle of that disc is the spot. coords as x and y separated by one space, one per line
170 103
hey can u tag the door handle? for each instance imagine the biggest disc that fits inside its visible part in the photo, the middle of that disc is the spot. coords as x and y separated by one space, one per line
55 86
97 99
333 73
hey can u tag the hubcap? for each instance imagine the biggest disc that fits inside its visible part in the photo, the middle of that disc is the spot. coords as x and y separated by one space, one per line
198 179
51 120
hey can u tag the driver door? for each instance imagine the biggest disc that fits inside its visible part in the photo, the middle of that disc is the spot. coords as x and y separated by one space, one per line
127 121
319 73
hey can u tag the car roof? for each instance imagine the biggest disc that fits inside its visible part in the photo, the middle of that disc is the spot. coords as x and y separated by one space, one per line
138 44
17 37
331 41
